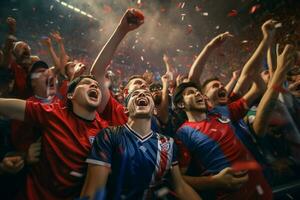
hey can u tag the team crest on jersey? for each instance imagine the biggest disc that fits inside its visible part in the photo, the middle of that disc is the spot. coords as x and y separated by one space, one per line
91 139
165 146
224 120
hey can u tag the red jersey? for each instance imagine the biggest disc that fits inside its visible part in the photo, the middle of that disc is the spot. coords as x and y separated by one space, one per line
208 146
114 113
20 77
66 143
24 134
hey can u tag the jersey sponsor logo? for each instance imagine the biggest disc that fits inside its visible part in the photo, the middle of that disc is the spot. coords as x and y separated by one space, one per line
224 120
91 139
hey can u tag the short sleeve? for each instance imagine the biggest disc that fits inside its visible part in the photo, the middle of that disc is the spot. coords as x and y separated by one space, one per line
185 146
102 148
238 109
114 113
36 112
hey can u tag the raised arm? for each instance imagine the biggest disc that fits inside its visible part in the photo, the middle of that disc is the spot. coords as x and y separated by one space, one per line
46 41
230 85
12 108
104 57
163 108
198 65
96 179
284 62
253 65
63 57
9 42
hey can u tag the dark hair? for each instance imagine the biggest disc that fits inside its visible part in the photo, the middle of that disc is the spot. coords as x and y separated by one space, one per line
177 97
73 84
134 77
35 66
207 81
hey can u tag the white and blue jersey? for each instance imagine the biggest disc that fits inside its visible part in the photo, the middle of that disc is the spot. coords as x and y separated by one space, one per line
137 164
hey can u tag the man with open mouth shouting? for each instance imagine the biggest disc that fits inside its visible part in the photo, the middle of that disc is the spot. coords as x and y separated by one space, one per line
137 158
67 134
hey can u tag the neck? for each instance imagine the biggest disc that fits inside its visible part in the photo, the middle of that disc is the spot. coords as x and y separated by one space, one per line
196 116
84 113
141 126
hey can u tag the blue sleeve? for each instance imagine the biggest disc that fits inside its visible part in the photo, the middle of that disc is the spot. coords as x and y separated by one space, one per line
102 148
185 135
175 152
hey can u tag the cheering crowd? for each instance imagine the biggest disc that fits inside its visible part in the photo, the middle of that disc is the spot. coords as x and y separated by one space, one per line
70 131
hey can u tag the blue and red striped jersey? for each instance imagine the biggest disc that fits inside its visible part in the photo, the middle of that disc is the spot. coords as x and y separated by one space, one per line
208 146
137 164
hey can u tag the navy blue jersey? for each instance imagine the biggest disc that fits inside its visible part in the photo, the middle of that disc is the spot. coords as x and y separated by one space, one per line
138 164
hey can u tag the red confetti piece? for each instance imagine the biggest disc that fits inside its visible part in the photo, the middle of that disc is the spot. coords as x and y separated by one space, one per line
246 165
254 8
232 13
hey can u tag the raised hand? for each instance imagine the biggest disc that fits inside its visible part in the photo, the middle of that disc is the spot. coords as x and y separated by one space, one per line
12 164
268 29
56 36
131 20
286 59
166 58
11 22
220 39
46 41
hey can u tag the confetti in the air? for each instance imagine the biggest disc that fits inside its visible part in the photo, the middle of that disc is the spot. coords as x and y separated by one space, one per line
232 13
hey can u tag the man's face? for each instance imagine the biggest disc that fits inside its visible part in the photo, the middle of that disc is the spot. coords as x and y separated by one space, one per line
140 104
136 83
87 94
216 93
22 54
43 82
193 100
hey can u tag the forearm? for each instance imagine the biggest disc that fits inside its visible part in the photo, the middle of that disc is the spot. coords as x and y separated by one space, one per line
230 85
164 105
12 108
267 104
271 59
7 51
198 66
200 182
54 56
252 67
104 57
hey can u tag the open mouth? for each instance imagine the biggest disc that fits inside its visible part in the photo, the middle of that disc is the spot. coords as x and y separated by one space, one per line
141 102
222 93
51 82
199 101
93 94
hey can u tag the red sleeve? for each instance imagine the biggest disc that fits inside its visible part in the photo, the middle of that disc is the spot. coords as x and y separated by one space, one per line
36 112
114 113
238 109
184 156
234 97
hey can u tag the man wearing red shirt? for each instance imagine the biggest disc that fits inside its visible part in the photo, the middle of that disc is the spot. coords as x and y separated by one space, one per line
67 134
